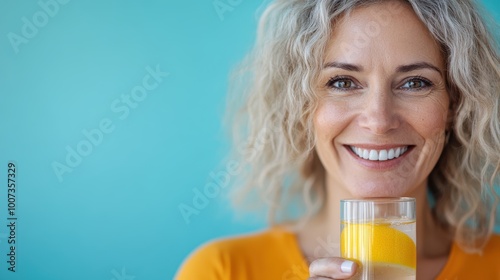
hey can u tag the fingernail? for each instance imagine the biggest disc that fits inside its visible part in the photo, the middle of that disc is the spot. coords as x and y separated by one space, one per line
346 266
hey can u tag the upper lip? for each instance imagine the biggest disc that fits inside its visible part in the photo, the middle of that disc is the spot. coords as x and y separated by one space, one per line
379 147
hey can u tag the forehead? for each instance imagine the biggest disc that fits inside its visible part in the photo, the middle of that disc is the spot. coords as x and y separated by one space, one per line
388 32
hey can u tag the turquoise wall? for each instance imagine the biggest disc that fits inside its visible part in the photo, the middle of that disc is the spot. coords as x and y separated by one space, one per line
110 112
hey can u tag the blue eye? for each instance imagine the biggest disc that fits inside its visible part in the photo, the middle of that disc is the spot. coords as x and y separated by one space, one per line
416 84
341 83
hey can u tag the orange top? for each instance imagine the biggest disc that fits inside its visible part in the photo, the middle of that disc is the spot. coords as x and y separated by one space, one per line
275 254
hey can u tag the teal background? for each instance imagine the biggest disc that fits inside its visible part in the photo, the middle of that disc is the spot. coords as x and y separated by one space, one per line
115 215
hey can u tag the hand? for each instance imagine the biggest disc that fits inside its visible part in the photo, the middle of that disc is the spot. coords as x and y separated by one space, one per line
332 268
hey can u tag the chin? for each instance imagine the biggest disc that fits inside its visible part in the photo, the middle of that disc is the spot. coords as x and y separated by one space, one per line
372 190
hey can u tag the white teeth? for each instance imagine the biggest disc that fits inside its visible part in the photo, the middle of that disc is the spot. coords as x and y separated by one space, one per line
379 155
382 155
365 154
390 155
398 152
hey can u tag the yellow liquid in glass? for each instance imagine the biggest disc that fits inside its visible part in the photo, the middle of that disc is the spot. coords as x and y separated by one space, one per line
384 249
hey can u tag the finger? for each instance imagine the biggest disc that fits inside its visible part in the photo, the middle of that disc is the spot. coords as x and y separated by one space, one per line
332 268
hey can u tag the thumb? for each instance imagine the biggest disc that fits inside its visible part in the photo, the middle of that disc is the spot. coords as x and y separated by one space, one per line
333 267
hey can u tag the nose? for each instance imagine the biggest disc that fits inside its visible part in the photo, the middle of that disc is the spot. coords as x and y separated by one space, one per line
379 112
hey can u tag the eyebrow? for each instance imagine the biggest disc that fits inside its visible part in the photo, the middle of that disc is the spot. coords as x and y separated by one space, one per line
401 69
418 66
345 66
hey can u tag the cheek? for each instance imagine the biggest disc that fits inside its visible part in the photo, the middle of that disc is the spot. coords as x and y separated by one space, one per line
430 117
330 119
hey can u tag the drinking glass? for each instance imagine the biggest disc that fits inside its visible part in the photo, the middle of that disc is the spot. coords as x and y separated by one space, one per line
380 235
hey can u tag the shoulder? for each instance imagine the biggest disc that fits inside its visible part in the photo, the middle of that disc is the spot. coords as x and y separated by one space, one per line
237 257
246 245
493 246
482 265
491 251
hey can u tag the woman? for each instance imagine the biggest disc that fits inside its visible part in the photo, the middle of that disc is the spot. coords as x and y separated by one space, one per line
356 98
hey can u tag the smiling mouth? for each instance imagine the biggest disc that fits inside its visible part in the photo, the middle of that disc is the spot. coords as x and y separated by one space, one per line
380 155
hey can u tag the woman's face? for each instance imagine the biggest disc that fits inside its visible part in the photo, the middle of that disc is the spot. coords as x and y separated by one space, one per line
383 111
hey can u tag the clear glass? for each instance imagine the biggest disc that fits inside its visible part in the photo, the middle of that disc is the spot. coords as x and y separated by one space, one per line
380 235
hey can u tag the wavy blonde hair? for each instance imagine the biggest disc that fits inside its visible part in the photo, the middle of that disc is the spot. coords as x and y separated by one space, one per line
273 100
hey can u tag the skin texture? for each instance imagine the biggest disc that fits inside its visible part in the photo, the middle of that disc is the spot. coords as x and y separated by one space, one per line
372 98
